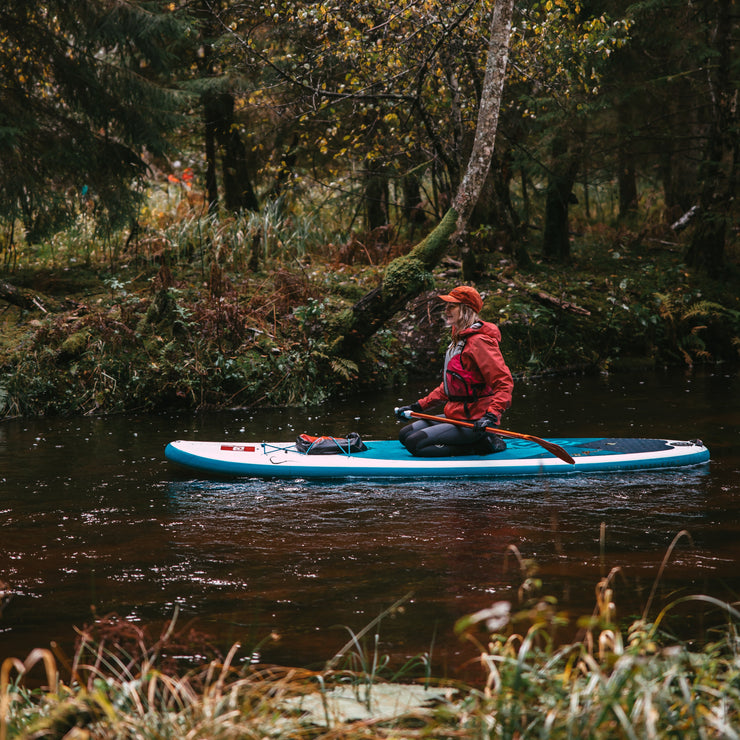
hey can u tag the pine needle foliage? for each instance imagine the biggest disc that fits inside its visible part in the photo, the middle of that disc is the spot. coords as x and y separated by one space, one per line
81 98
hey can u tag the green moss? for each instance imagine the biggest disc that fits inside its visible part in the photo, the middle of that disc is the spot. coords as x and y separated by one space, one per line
411 274
336 324
431 249
162 310
406 275
74 345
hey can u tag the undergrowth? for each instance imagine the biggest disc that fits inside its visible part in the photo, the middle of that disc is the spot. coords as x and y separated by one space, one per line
192 311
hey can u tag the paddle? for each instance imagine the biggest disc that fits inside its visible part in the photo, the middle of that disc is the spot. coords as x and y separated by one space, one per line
556 450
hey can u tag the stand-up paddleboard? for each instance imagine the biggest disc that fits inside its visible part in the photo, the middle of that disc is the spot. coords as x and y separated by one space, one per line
389 459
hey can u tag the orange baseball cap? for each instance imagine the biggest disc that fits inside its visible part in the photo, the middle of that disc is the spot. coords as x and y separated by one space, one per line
466 295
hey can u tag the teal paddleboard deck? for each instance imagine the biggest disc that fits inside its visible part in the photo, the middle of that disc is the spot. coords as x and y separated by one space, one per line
389 459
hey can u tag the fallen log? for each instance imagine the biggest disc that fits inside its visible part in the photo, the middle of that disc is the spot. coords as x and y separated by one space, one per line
25 299
28 300
545 297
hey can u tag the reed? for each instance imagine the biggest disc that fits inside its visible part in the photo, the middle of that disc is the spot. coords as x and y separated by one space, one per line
613 681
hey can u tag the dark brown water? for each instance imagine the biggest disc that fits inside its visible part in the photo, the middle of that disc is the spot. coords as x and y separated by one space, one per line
92 516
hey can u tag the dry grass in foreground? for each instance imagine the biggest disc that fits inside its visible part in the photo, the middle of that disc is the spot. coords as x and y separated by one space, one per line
616 682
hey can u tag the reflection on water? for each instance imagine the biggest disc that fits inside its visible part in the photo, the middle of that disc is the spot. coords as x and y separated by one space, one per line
92 516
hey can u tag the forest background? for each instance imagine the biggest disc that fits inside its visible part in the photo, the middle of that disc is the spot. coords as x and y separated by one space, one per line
194 196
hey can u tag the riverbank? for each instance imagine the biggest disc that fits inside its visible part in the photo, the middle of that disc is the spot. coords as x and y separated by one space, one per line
149 336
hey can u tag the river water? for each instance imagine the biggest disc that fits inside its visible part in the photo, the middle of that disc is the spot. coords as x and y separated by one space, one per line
93 518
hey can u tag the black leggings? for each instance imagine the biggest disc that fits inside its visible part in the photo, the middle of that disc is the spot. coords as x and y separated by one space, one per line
429 439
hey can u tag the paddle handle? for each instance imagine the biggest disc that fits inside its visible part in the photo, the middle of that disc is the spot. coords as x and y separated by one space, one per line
551 447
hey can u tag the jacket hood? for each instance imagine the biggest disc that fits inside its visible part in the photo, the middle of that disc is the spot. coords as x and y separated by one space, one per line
482 327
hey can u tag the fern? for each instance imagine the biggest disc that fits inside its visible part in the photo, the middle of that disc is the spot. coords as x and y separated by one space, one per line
345 369
686 321
703 309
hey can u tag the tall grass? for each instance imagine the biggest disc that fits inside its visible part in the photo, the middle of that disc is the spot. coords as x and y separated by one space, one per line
613 681
623 681
179 229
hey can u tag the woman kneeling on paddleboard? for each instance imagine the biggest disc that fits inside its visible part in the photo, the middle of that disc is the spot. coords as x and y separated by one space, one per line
476 386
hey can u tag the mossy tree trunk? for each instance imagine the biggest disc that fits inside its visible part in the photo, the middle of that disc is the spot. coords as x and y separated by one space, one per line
409 275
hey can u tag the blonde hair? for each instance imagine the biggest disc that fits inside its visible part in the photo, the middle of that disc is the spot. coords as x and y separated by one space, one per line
466 317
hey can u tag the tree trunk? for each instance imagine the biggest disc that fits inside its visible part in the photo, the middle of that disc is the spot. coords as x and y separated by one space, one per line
627 179
210 146
412 206
208 104
409 275
626 176
376 196
516 228
718 174
239 195
238 192
490 104
562 177
677 166
679 184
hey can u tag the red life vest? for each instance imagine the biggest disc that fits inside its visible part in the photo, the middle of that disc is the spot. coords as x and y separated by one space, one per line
461 384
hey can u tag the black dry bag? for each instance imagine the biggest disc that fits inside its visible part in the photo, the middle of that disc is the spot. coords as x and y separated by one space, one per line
330 445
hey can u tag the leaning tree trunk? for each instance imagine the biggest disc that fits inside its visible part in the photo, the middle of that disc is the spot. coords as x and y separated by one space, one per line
409 275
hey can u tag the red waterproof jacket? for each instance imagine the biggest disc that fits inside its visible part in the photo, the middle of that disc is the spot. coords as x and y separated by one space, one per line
476 379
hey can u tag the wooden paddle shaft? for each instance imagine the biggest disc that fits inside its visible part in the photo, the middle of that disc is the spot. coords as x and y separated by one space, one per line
556 450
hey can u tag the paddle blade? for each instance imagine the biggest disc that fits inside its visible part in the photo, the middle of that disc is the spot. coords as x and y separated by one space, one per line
551 447
558 451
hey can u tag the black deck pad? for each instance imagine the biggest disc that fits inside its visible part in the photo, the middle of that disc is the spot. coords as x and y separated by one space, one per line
624 445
